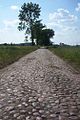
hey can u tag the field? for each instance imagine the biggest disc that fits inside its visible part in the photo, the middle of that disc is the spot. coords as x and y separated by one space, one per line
69 53
9 54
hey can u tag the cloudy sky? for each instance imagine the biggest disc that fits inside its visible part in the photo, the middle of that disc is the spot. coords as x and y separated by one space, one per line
63 16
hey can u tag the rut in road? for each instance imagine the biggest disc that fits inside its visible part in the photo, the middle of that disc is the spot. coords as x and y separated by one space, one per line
40 86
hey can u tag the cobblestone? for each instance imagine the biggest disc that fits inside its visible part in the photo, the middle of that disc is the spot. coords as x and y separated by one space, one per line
40 86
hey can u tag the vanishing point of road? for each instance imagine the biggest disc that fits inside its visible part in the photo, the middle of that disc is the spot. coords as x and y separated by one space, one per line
39 86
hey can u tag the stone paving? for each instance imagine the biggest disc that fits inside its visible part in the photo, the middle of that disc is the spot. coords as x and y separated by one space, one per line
40 86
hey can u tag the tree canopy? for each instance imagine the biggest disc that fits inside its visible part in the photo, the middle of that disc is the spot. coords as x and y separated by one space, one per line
28 14
46 35
37 28
30 22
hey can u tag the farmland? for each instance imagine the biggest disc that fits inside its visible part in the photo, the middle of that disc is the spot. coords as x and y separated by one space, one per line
70 54
9 54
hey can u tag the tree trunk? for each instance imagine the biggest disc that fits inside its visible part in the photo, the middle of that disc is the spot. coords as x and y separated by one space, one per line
32 35
32 38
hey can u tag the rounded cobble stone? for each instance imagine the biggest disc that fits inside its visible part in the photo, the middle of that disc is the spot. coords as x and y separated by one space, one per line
40 86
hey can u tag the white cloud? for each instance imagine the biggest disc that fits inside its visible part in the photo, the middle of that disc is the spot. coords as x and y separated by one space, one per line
78 7
11 23
62 19
9 32
67 35
64 24
14 7
11 35
62 15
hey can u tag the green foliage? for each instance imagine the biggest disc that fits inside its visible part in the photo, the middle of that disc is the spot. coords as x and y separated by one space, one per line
9 54
37 28
29 13
45 36
29 21
68 53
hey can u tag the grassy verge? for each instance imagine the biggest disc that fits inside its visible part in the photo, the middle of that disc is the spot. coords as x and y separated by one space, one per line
9 54
68 53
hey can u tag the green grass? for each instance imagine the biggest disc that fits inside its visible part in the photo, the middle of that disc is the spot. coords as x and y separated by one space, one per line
9 54
68 53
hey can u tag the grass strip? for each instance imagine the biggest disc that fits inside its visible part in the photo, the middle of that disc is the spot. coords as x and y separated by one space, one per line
10 54
69 53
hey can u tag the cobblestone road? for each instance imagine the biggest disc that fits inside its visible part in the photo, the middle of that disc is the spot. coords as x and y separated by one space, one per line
40 86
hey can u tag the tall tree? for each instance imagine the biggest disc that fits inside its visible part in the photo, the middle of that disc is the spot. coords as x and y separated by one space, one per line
29 13
38 27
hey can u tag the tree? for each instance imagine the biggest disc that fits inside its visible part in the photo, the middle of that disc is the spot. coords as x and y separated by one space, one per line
29 13
46 35
37 28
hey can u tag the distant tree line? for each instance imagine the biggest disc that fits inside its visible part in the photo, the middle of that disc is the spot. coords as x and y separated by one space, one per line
30 22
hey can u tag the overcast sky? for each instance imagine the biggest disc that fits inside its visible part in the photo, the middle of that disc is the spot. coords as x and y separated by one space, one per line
63 16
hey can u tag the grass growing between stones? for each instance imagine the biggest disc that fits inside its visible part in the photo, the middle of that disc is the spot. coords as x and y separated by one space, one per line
9 54
69 53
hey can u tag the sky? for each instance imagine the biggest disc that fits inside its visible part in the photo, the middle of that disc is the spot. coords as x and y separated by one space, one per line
63 16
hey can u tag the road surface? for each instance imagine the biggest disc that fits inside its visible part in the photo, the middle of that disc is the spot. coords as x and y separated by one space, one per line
40 86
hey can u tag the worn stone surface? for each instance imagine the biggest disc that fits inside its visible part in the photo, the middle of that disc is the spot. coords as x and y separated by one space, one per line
40 86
